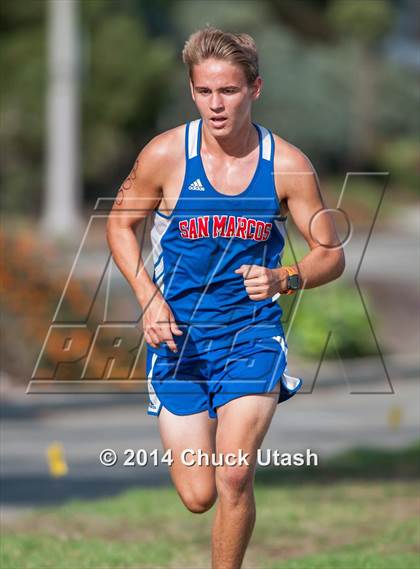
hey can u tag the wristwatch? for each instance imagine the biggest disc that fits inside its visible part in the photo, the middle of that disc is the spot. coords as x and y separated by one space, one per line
294 282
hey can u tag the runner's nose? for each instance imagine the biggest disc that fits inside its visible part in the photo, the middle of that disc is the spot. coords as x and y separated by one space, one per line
216 102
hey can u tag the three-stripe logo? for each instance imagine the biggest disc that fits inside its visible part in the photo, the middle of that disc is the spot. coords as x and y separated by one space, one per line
197 185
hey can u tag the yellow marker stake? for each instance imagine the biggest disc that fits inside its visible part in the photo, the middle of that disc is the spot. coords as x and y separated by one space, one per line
394 417
56 460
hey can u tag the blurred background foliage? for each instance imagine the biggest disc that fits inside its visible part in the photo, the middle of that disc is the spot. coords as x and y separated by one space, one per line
331 85
331 321
322 311
339 82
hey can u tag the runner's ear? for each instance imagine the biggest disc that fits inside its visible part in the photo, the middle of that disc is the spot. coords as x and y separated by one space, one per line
192 90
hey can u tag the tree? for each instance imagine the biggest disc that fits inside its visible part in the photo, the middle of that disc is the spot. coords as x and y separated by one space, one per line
363 25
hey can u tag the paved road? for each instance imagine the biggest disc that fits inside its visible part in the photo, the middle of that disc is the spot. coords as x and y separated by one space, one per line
327 421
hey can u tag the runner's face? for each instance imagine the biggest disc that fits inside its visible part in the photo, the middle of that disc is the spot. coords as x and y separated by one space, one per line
222 95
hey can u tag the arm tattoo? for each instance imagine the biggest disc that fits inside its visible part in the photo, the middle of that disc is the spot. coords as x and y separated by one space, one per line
126 185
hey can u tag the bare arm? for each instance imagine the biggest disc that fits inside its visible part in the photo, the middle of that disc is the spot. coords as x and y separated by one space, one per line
138 196
300 189
297 185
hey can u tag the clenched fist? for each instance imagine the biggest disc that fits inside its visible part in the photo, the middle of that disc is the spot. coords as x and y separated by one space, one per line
261 282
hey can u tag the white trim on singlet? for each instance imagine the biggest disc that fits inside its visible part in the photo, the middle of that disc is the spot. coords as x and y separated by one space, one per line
266 143
160 226
281 228
193 139
159 267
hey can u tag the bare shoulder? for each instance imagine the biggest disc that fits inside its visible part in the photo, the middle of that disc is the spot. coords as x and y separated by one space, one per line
294 175
163 151
155 164
296 180
290 159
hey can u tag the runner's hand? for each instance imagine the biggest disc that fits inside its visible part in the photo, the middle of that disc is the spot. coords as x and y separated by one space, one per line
159 324
261 282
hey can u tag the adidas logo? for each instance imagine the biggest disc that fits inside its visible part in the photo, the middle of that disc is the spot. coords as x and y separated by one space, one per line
197 185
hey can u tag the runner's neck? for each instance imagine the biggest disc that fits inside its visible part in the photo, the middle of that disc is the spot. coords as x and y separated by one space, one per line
237 145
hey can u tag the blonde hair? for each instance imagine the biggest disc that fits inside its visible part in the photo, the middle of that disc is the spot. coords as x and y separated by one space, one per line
210 42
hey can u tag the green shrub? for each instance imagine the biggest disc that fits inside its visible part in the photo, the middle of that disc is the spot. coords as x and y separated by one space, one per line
335 309
401 158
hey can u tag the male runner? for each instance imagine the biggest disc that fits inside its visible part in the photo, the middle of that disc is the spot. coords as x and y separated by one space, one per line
218 190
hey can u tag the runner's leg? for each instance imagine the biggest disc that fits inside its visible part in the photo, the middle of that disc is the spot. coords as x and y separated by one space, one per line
235 512
195 484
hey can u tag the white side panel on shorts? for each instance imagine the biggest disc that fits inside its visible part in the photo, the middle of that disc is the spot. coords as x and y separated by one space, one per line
290 381
154 402
282 343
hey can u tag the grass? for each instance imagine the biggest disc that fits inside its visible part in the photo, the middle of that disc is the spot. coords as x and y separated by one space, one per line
344 520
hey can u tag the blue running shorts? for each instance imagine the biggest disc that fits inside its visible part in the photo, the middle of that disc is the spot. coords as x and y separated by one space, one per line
189 384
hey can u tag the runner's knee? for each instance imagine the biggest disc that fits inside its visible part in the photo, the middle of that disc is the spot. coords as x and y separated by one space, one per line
233 481
198 502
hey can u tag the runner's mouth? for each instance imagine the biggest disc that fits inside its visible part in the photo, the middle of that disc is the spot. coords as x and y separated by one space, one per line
218 121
